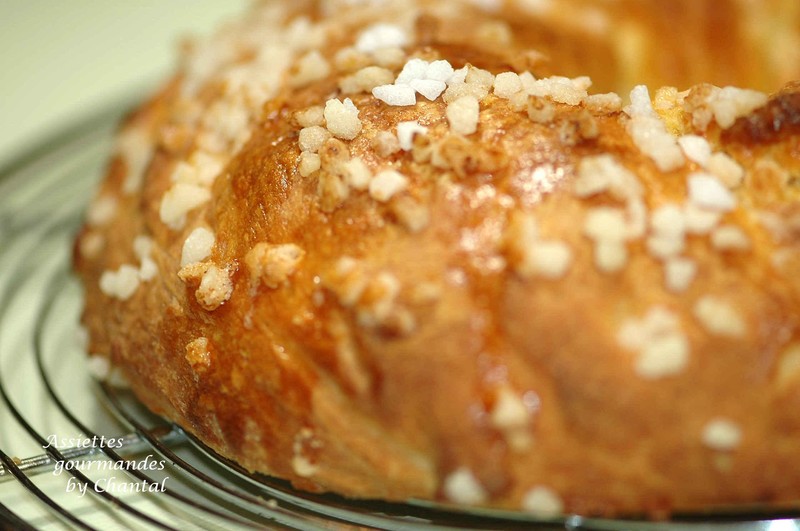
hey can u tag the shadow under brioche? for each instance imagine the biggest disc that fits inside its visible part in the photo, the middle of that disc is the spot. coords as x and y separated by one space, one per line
408 249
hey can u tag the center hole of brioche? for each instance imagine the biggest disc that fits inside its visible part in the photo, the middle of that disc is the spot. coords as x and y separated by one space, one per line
679 43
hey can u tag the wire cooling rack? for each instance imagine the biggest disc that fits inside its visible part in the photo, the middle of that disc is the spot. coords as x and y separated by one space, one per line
98 459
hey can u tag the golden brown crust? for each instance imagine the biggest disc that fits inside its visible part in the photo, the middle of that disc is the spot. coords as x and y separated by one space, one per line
547 314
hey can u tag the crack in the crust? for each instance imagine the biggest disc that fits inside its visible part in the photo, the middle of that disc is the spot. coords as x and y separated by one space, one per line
774 121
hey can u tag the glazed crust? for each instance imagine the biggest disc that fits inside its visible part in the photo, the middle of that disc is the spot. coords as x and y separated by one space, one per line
410 343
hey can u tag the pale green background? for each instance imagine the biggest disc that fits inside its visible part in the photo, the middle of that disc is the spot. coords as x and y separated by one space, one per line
60 60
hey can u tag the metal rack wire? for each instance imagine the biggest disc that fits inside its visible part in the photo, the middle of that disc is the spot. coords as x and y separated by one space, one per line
45 392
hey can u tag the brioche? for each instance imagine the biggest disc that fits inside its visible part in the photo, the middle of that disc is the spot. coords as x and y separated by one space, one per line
533 255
